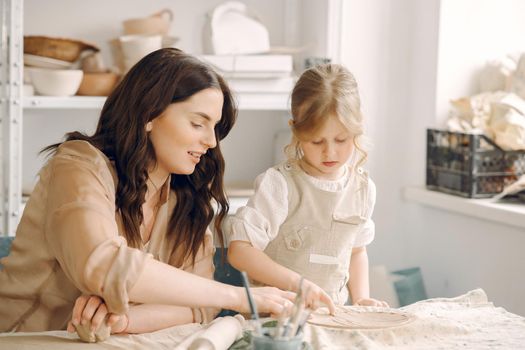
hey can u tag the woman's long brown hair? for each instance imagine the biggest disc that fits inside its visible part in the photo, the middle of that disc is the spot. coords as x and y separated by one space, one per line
163 77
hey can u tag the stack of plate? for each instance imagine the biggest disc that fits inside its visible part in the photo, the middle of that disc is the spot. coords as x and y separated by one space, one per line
46 62
52 64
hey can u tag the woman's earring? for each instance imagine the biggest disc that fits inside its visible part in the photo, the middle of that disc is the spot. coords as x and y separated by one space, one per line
149 126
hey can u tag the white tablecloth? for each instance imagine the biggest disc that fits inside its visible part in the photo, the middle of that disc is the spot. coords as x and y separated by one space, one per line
469 321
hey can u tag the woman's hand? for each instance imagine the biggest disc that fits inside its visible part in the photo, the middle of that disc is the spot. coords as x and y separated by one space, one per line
91 308
370 302
268 300
314 296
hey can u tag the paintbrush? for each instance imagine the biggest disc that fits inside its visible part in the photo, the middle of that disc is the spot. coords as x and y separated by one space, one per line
303 320
298 319
296 311
253 307
279 328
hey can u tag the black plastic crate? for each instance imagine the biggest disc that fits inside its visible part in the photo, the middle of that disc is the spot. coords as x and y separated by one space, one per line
470 165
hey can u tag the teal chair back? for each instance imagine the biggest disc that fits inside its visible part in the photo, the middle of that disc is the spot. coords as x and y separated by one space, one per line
5 246
225 273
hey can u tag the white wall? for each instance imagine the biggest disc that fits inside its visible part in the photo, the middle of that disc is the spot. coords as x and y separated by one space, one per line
493 29
392 47
378 48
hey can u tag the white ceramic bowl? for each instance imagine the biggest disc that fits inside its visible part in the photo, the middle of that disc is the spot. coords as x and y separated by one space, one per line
56 82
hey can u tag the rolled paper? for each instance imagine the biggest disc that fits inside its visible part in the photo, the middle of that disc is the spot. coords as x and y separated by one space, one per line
220 334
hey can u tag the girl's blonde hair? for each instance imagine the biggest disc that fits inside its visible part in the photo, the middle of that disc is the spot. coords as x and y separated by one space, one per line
321 92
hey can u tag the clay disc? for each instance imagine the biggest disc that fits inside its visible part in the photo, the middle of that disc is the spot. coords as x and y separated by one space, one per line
357 317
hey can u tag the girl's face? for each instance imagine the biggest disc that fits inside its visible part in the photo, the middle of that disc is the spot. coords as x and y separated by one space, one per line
185 131
327 150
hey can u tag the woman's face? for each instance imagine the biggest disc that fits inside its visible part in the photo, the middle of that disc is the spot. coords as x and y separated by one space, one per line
185 131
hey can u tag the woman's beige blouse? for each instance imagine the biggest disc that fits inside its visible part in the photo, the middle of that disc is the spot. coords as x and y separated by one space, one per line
69 242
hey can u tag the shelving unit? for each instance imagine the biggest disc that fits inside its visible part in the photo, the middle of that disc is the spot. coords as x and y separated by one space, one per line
11 66
73 102
247 101
296 28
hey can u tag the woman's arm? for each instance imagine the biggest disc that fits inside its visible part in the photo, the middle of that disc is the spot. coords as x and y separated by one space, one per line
146 318
204 267
143 318
160 283
190 290
82 234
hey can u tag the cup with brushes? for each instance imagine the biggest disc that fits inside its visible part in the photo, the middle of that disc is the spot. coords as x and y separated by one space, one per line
285 333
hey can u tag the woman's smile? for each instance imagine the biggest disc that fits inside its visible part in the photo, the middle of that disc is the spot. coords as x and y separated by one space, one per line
196 156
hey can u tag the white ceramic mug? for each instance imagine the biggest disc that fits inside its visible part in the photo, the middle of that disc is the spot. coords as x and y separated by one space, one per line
134 47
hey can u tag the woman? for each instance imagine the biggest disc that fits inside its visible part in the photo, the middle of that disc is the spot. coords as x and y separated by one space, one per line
117 227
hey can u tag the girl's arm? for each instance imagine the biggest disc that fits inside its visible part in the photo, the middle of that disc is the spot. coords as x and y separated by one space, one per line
259 266
358 285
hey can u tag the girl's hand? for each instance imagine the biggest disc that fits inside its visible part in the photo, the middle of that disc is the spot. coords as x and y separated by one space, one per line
268 300
314 296
91 308
371 302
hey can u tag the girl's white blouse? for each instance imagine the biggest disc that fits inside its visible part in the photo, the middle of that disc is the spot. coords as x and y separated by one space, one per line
258 222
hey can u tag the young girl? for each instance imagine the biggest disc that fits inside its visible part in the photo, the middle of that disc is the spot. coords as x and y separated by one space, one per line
311 215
